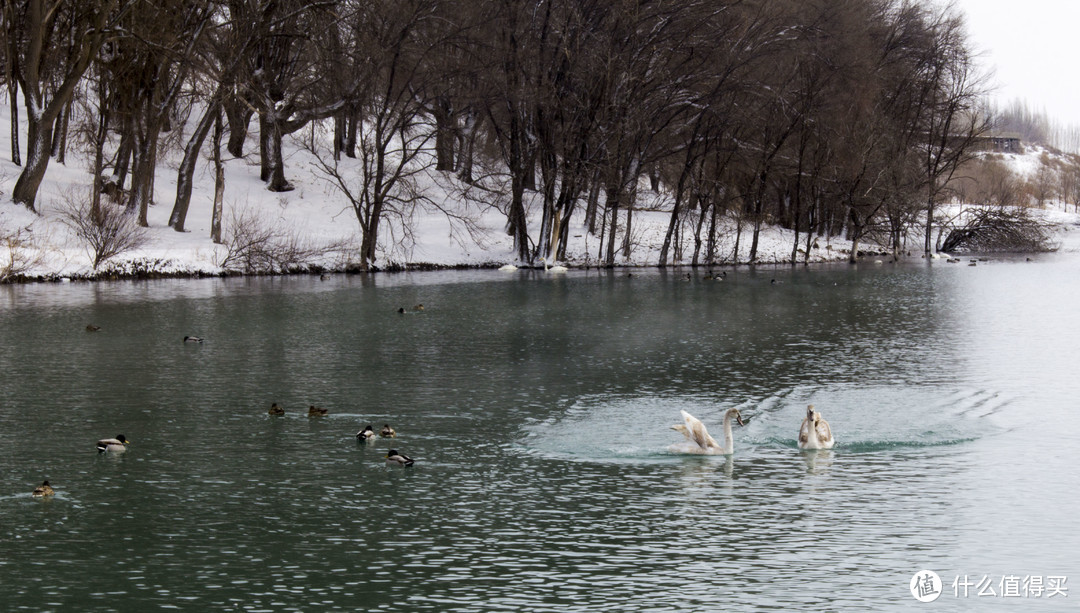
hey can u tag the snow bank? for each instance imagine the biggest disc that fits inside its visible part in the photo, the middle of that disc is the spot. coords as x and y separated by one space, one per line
316 213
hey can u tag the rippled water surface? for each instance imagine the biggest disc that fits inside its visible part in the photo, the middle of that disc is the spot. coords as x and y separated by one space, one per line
538 411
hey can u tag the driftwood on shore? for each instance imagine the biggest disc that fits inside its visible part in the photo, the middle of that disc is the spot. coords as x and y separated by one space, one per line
997 230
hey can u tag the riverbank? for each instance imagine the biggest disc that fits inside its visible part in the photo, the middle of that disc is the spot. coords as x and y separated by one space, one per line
313 229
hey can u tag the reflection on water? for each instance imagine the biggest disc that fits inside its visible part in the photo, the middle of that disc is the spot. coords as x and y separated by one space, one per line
538 410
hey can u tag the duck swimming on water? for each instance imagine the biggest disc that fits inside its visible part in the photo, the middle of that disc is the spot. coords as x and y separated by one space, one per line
43 490
366 435
394 458
113 445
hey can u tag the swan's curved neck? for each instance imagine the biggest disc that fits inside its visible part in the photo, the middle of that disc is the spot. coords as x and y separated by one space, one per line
729 438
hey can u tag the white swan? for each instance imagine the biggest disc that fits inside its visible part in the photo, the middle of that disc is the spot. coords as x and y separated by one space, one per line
555 268
697 436
815 433
508 268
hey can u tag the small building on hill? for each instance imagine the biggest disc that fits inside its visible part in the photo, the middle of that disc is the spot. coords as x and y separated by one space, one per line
1000 142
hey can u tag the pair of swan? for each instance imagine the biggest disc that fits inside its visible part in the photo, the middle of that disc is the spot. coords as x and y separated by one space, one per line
814 433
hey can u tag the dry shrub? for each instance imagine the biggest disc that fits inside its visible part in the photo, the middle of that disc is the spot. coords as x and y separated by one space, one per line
19 252
254 246
107 232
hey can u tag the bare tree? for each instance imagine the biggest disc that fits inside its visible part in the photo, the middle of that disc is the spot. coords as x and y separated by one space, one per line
53 46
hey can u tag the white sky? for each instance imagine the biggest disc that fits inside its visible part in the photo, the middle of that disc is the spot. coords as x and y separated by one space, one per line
1033 46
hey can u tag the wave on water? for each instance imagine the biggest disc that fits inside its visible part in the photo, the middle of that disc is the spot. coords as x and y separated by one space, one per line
863 420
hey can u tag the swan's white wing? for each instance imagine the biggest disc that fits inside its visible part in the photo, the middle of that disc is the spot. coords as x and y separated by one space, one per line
824 433
698 432
682 428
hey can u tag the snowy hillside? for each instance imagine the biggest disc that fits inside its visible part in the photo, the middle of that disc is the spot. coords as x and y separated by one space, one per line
317 216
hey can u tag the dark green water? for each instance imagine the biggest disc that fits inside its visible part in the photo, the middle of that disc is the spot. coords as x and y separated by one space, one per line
538 411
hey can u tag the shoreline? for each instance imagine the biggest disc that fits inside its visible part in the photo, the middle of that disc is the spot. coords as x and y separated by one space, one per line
151 274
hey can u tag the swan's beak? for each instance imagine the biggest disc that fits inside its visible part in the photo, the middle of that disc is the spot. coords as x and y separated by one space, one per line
738 418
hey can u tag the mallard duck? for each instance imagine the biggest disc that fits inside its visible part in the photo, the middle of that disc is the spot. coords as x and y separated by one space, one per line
92 328
43 490
418 307
366 435
314 411
387 431
192 339
275 409
398 459
113 445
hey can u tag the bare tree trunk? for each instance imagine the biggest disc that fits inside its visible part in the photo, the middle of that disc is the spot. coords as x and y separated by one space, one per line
339 134
99 150
59 141
442 110
16 156
13 101
142 175
710 246
115 185
239 115
273 169
697 232
264 148
466 144
219 182
185 174
352 121
592 203
630 201
37 160
613 196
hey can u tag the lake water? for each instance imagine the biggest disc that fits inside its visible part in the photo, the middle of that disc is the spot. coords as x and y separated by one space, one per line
538 410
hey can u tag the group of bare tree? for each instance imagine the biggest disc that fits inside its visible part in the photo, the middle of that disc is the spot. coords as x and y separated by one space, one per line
824 116
1035 127
991 181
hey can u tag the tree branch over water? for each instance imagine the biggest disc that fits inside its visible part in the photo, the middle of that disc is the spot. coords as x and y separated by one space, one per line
989 230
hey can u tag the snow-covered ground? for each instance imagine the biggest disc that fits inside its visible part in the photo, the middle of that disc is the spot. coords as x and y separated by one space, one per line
316 214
